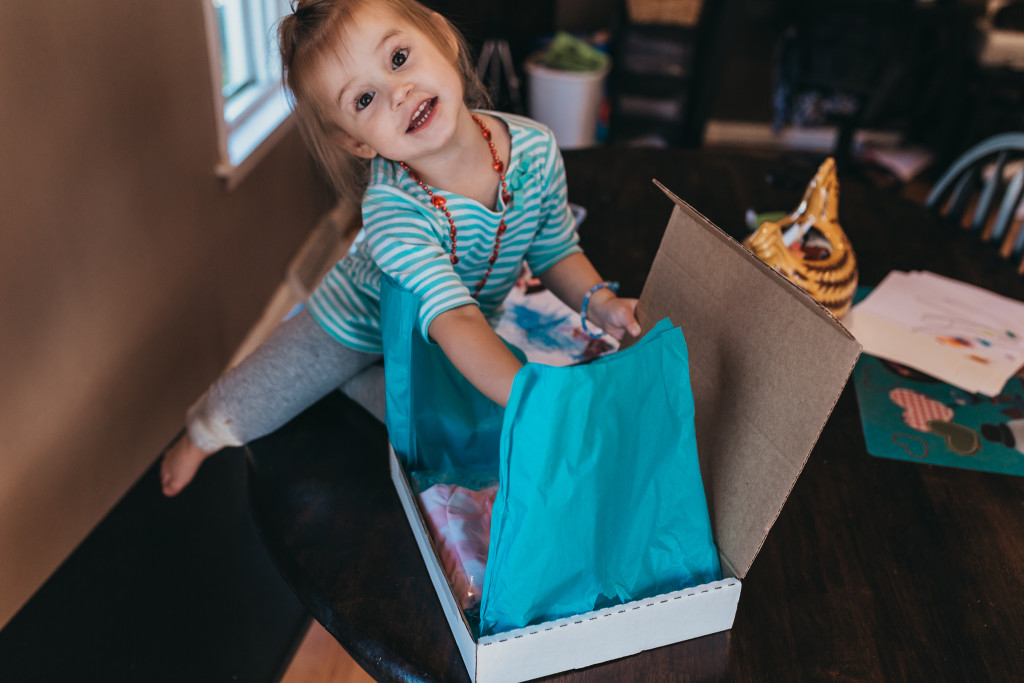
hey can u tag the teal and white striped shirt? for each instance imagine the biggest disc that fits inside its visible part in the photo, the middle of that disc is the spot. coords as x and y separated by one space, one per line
407 238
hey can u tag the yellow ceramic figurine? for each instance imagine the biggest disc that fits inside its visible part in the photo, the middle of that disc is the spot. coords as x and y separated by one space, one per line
809 247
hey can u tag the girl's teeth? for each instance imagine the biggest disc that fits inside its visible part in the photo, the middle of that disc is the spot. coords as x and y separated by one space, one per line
416 120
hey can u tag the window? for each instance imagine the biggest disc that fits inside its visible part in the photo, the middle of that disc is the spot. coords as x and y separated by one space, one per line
252 109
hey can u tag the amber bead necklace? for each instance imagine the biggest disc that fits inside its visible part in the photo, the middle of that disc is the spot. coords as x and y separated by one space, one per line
441 204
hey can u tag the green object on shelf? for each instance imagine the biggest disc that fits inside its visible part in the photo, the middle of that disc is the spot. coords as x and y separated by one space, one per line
569 53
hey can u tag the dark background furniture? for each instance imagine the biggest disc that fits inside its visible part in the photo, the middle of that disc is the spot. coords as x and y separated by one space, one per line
905 67
875 569
664 78
875 64
996 80
988 206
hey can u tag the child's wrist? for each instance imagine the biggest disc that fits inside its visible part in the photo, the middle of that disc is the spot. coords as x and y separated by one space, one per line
599 305
594 303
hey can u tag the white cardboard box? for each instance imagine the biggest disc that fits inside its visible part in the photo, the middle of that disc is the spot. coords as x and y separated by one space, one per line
767 365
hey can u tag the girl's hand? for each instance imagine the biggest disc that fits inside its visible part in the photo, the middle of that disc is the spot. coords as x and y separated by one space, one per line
613 314
571 278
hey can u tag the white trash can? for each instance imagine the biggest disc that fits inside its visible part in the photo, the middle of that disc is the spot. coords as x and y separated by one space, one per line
567 102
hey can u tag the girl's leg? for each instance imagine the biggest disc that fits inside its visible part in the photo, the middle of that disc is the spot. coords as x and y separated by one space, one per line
367 389
295 367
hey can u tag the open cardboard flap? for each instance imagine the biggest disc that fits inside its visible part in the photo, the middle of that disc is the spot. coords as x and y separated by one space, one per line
767 365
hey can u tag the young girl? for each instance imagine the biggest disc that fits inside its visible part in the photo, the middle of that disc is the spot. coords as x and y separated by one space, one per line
455 201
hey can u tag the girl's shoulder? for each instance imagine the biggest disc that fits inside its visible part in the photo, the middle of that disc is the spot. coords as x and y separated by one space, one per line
534 150
392 193
517 121
526 133
384 172
390 183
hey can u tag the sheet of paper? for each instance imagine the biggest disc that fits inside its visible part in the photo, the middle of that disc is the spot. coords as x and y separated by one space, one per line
548 331
961 334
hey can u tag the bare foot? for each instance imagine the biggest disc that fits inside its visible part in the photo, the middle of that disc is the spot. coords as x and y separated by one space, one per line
179 466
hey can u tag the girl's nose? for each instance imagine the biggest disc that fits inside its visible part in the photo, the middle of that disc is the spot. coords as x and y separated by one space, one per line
401 94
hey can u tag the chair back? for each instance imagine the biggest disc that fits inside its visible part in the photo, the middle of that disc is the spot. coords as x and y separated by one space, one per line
982 190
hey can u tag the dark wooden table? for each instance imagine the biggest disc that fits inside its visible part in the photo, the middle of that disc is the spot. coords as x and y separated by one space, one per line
875 570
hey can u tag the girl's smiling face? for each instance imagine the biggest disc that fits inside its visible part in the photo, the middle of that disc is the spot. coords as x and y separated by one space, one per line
390 89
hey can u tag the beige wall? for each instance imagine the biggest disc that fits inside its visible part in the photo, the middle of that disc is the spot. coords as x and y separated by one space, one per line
127 272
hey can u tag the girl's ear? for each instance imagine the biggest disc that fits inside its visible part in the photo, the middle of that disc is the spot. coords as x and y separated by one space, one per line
450 42
353 146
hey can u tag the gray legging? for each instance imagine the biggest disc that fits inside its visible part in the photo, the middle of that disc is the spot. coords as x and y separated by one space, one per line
296 366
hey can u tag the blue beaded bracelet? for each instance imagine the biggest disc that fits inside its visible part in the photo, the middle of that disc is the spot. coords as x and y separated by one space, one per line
614 286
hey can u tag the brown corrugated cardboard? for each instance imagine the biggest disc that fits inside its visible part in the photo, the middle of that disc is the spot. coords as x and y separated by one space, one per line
767 364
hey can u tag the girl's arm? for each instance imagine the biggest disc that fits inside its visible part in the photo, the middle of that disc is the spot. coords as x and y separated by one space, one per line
572 277
476 351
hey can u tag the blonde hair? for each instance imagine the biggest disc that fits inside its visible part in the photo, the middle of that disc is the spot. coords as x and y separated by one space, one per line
315 28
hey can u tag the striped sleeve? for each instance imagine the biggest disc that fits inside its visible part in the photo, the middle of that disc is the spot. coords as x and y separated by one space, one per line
406 245
556 236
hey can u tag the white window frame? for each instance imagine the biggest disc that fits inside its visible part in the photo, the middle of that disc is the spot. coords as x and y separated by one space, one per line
252 119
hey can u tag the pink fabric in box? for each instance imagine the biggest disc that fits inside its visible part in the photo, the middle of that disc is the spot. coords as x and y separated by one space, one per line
460 522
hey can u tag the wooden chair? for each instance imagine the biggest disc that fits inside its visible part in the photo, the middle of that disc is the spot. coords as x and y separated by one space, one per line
982 191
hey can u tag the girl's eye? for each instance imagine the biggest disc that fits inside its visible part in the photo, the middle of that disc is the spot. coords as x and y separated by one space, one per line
399 58
364 100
